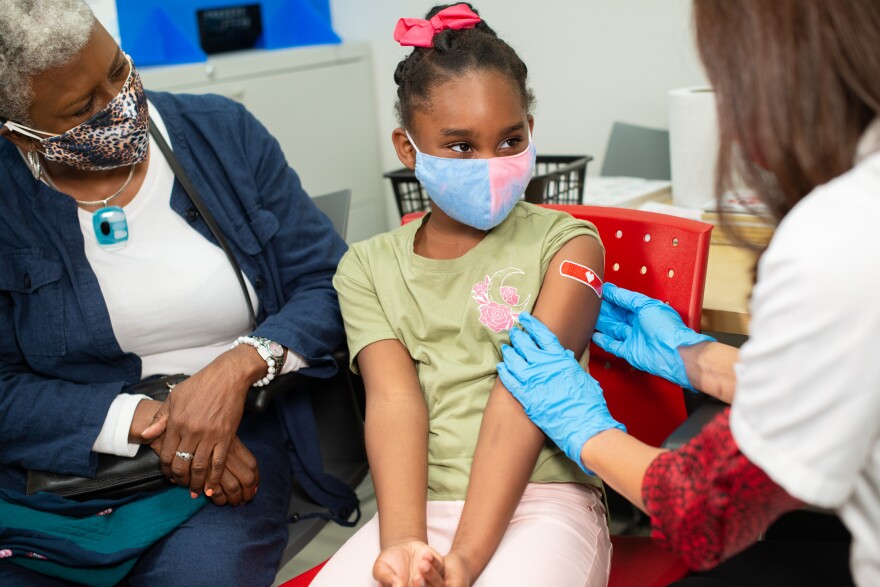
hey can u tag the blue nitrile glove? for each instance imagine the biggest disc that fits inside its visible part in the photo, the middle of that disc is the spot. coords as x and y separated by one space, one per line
645 332
557 394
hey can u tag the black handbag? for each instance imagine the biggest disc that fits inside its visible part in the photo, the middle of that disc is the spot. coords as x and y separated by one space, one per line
119 477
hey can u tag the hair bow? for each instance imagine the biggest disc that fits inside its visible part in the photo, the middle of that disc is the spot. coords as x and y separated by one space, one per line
417 32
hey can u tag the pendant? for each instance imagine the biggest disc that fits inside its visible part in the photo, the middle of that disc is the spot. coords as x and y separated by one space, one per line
111 228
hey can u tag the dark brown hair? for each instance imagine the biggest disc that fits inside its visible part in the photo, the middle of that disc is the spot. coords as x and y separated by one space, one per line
797 82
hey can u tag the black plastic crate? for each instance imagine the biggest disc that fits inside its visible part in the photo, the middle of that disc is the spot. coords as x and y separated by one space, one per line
559 179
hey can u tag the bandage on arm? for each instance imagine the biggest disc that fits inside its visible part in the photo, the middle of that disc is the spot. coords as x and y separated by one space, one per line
583 274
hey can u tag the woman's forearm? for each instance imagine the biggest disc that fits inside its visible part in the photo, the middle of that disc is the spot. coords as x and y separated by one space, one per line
705 488
709 368
505 457
397 448
621 461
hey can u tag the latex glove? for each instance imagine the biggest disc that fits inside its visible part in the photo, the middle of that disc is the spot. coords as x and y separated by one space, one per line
557 394
645 332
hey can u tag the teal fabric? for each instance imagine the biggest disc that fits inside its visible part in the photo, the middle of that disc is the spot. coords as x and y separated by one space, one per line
94 577
99 548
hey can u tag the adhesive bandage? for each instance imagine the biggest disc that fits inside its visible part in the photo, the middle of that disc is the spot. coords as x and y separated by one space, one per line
583 274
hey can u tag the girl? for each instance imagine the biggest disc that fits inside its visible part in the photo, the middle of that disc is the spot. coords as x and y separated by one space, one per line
426 309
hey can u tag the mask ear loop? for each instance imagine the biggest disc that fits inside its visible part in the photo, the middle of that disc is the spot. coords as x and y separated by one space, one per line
32 158
412 142
27 131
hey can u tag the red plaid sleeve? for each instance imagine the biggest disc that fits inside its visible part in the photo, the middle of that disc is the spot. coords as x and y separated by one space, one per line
707 501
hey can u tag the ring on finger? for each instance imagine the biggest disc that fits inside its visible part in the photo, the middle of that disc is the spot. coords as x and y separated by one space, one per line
186 456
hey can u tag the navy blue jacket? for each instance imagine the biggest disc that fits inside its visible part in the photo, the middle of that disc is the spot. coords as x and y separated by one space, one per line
60 364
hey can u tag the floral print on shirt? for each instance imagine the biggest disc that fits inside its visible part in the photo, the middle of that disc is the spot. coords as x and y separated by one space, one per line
499 304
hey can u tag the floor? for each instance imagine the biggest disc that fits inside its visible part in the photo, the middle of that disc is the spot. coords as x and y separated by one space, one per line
330 538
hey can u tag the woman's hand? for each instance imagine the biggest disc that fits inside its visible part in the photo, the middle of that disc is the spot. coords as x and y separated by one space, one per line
238 482
645 332
201 416
143 417
557 394
409 564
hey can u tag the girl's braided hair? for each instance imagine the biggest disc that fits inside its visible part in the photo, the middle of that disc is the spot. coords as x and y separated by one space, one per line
455 52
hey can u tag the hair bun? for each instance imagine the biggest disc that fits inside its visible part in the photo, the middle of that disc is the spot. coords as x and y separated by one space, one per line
480 26
400 72
433 12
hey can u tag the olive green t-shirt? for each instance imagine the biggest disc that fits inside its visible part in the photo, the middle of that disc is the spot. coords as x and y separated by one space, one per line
453 316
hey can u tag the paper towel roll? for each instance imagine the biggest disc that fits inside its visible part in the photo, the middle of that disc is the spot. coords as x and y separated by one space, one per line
693 145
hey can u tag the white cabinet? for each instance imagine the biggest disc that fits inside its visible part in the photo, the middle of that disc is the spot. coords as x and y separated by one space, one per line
319 103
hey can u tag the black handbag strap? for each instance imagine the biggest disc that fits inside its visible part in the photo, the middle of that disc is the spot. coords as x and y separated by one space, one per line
190 189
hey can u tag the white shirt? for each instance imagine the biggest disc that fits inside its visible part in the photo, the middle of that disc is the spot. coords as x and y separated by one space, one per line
807 404
172 296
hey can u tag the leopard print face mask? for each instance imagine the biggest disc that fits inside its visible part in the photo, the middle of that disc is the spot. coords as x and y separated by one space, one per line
116 136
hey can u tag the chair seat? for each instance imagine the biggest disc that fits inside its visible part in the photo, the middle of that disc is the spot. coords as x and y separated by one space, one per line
637 561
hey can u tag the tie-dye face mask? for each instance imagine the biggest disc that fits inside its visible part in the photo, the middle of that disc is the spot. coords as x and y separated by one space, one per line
116 136
476 192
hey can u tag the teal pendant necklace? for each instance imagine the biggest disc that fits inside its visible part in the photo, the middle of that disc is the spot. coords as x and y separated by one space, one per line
109 222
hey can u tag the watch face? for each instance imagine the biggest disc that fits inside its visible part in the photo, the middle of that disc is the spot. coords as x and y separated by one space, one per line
276 349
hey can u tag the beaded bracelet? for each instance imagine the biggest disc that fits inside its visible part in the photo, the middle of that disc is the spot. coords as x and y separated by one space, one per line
270 351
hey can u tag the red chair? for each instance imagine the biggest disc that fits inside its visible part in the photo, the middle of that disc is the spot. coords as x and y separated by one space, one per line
664 257
304 579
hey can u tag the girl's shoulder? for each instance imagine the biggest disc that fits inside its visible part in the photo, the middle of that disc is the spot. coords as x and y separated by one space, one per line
545 222
382 248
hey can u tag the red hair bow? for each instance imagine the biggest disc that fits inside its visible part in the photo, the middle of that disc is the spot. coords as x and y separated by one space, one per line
417 32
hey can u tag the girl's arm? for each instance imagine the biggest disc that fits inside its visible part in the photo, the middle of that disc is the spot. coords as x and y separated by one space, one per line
509 443
396 431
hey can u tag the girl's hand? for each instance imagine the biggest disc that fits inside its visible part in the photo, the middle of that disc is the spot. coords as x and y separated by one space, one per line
409 564
457 572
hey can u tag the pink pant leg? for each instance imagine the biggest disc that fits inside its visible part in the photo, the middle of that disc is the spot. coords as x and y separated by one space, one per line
353 562
558 536
352 565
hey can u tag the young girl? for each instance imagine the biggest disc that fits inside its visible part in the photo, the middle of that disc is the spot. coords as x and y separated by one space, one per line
427 308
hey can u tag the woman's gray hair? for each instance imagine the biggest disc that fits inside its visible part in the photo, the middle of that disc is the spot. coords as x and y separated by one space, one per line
36 35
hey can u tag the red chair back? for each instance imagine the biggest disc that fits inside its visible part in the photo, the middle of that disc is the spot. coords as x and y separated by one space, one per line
664 257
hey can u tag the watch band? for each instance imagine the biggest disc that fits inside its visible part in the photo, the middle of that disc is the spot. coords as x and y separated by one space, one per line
270 351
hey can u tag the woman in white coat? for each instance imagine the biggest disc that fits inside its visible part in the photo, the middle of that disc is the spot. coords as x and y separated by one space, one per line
798 90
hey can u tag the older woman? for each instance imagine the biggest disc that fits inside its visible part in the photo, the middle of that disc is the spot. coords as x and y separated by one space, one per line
86 312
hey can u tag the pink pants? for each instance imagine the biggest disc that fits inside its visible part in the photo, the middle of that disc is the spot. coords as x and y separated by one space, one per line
558 536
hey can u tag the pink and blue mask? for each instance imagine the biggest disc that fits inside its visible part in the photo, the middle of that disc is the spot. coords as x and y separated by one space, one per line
477 192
